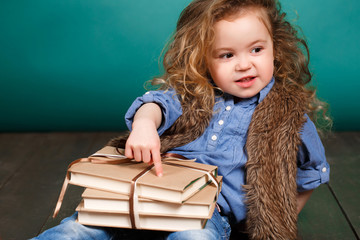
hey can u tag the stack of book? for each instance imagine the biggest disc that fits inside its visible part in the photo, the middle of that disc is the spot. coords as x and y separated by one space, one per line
128 194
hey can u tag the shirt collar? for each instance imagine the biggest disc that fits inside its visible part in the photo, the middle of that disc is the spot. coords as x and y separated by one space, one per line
262 94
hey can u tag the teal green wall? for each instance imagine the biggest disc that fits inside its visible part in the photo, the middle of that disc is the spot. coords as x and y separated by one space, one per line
77 65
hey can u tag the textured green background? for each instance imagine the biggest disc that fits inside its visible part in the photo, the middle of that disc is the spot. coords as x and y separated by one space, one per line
77 65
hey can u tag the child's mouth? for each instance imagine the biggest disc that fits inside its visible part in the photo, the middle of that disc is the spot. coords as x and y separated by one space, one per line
246 79
246 82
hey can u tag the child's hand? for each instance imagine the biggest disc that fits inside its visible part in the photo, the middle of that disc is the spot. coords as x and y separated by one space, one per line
143 144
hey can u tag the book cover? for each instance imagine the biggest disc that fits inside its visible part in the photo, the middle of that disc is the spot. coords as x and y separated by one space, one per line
149 222
181 179
199 205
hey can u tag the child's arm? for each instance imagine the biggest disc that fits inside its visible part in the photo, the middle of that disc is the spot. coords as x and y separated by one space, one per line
143 143
302 198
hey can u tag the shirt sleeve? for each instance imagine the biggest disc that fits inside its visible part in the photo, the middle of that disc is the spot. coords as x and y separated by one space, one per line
313 168
168 102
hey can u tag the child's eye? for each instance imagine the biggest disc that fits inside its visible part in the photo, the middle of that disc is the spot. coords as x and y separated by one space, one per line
256 50
226 55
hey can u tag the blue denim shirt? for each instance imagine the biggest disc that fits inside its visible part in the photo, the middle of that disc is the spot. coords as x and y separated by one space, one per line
223 144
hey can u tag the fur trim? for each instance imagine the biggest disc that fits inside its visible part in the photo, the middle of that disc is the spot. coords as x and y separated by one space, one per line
272 146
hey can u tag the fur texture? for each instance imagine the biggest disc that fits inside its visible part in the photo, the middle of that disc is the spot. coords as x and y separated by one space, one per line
272 147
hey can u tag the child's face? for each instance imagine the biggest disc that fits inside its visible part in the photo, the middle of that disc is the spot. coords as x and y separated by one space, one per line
241 61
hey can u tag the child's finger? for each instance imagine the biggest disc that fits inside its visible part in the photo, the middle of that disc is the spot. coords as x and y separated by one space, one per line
146 155
137 154
128 152
156 158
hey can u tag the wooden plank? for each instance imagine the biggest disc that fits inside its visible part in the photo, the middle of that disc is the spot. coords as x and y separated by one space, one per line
73 194
14 146
343 152
321 218
28 197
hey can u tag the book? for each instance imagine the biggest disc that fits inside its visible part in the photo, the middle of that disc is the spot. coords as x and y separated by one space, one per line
180 181
199 205
146 221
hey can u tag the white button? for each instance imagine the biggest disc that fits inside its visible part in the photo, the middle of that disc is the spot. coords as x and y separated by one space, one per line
221 122
147 92
214 137
228 108
324 169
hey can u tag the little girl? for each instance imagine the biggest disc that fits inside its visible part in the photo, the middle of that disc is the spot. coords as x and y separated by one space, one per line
233 95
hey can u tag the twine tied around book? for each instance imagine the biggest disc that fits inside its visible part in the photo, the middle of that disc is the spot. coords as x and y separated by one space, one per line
133 196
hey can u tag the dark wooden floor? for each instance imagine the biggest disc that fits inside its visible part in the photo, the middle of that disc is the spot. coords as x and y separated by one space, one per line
33 166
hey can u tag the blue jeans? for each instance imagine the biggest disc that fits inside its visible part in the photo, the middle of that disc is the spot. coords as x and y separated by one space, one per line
216 228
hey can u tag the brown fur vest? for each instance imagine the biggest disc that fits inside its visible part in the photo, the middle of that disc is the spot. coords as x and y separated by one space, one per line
272 145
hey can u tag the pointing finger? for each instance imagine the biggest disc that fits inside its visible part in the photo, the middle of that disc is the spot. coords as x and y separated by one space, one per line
157 162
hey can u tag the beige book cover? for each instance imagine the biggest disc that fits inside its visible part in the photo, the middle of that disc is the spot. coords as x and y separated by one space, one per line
180 180
149 222
200 204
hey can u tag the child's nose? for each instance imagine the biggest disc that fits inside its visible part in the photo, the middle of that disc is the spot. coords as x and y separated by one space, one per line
243 63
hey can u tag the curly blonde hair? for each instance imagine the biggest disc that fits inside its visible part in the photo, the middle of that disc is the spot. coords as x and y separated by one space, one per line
185 64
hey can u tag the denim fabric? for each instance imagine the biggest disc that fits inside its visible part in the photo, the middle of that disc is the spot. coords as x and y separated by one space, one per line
223 144
69 229
217 228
